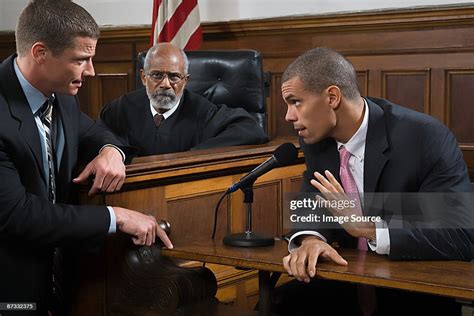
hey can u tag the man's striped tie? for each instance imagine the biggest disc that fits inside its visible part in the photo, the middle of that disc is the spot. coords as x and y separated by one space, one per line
47 120
58 273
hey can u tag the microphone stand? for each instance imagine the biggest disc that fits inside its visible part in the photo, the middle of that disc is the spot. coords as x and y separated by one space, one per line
248 238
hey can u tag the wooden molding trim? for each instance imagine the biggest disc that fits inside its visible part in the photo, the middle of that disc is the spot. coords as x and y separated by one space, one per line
393 19
142 165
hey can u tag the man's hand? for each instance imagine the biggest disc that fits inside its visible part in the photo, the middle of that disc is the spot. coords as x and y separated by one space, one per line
108 169
301 262
332 190
143 228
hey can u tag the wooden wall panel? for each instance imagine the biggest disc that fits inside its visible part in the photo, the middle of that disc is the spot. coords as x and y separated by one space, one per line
193 217
266 208
363 82
460 111
407 88
290 186
111 51
438 94
111 81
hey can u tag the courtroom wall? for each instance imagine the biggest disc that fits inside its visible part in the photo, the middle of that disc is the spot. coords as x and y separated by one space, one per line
119 13
420 58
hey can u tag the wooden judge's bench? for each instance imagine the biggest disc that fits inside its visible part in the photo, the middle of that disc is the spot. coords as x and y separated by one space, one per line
183 188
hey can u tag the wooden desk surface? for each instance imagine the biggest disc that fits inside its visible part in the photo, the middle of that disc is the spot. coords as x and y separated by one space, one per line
446 278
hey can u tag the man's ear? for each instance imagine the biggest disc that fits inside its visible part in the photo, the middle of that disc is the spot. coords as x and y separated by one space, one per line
335 95
39 52
142 76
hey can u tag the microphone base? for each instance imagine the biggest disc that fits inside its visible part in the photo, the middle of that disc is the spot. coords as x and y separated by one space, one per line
248 239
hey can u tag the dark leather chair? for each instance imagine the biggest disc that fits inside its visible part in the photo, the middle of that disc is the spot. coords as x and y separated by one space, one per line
231 77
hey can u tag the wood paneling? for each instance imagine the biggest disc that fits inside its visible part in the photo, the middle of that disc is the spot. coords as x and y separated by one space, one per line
407 88
460 111
187 201
193 217
111 81
266 209
363 82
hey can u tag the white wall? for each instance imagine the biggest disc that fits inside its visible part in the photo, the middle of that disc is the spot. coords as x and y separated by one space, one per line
138 12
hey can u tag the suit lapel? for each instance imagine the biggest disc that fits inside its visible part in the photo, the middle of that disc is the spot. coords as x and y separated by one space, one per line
65 114
330 156
20 110
376 146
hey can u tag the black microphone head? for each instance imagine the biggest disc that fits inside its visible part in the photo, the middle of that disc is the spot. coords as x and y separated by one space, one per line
285 154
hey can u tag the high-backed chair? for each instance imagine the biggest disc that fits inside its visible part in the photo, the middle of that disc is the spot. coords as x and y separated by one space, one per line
231 77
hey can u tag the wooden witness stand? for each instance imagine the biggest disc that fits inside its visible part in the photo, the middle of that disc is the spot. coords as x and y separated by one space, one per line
446 278
183 188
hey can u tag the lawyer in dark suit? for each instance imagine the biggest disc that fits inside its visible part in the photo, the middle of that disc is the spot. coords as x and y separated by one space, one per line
392 149
55 42
187 120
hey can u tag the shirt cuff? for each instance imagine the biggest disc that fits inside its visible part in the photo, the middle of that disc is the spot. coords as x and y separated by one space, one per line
292 243
119 150
381 244
113 220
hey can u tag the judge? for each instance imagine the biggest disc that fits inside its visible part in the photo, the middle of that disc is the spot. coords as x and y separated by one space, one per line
165 117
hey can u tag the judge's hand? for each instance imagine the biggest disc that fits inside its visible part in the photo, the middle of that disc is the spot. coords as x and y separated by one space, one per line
301 262
333 191
143 228
108 171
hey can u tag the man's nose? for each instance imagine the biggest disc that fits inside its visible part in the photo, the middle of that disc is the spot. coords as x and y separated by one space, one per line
290 115
89 71
165 83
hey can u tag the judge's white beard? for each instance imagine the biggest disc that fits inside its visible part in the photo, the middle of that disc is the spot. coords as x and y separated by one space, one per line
161 100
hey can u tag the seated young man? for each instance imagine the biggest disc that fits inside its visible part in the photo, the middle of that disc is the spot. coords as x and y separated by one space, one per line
356 145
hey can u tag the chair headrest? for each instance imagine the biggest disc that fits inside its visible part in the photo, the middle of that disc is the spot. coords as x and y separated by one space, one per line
234 78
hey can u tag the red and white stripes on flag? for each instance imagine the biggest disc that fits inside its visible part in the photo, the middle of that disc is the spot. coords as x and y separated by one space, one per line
177 22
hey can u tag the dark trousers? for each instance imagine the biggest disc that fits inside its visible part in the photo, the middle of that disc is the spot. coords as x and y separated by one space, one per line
323 297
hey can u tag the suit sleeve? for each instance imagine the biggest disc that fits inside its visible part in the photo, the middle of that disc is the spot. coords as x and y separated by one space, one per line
26 217
230 127
329 232
107 130
110 116
445 227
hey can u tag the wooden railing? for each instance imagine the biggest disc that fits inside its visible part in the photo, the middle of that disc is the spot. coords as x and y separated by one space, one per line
183 188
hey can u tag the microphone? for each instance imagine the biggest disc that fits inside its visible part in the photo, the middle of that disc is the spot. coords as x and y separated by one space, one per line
283 155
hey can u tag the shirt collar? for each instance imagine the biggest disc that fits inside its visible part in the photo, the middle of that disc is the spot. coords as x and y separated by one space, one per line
167 113
34 97
356 145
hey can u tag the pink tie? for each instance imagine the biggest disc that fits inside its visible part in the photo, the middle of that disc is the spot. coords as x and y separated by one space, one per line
350 187
365 293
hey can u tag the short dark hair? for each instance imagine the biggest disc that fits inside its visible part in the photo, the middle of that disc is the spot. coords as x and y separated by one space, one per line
57 23
322 67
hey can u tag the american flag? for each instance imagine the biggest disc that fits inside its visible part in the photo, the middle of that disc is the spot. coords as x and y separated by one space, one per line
178 22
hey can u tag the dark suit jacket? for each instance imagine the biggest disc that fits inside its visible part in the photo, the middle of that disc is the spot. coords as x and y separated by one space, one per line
196 124
31 226
406 151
